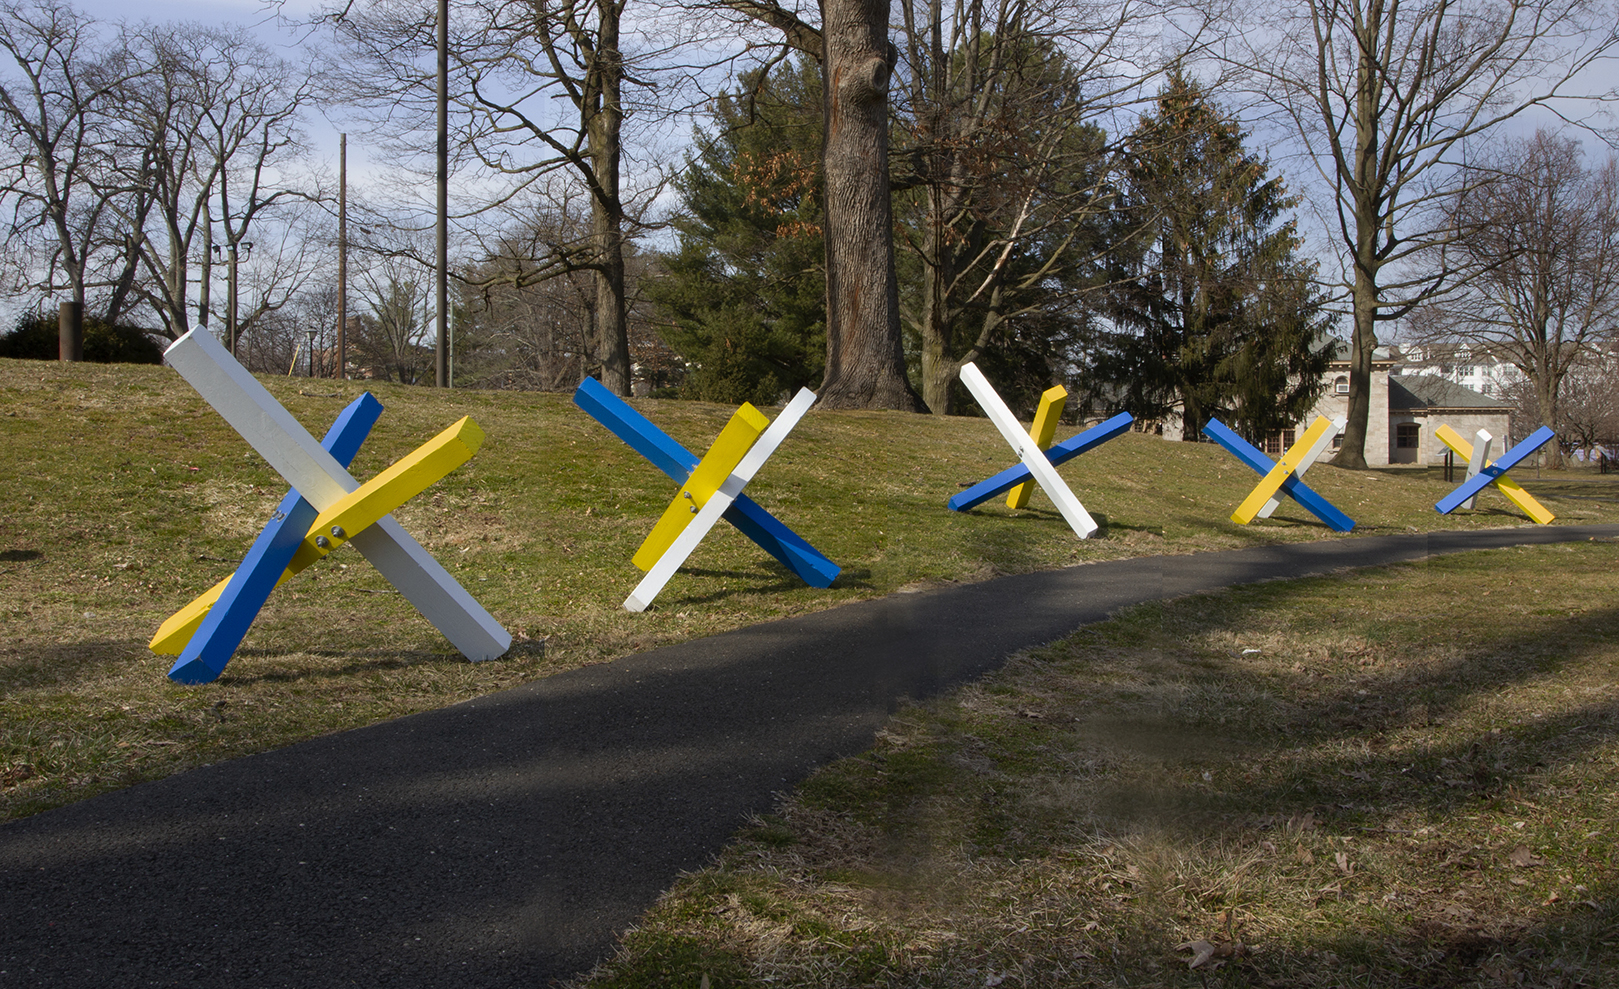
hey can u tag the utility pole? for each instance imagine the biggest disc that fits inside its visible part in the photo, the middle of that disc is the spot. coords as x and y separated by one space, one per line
342 369
441 354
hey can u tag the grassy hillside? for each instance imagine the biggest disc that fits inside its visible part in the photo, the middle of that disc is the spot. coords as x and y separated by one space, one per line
123 495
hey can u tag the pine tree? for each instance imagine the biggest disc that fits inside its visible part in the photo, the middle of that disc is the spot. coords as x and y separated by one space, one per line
1213 310
744 296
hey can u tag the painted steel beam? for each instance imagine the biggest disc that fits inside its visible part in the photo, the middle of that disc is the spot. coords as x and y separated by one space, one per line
1291 486
641 435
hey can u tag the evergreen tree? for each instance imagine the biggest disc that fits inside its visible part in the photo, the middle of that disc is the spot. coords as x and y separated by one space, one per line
1213 310
744 295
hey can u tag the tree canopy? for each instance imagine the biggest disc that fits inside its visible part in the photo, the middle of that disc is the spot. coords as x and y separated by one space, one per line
1212 310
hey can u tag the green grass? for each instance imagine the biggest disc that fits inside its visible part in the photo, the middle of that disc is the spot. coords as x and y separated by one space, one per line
1399 777
124 496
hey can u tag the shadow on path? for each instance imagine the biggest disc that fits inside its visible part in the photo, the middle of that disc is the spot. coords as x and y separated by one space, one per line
508 840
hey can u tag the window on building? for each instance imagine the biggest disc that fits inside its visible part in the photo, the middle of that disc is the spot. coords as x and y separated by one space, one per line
1277 444
1340 385
1406 435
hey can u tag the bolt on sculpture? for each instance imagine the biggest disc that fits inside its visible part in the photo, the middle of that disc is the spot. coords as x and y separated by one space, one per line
1036 462
1481 473
325 508
716 479
1282 477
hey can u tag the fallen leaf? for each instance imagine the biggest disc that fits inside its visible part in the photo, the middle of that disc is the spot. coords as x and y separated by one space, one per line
1344 866
1523 858
1211 956
1201 951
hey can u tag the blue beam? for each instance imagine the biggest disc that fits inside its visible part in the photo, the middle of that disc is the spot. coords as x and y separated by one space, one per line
227 622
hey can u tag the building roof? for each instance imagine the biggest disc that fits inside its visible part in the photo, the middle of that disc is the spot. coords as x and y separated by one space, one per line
1427 391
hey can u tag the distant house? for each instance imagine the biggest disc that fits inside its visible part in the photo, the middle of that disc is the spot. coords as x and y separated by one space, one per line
1407 408
1420 403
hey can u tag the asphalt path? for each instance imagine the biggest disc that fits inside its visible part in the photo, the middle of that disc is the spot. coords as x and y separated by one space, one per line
508 840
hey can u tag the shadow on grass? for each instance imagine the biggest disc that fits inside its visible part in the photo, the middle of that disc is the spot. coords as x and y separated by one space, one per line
29 665
20 555
242 672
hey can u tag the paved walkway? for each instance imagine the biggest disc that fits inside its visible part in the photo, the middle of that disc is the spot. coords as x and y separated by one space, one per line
509 839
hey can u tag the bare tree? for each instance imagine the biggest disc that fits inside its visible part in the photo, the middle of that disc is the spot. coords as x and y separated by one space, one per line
391 340
1588 405
1544 246
1386 96
999 137
56 104
207 137
515 62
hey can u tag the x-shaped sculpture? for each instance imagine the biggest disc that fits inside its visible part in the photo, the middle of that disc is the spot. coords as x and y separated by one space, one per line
710 492
339 508
1481 473
678 463
1282 476
1037 463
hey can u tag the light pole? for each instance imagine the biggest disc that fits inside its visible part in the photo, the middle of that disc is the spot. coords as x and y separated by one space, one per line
342 368
229 252
441 353
311 352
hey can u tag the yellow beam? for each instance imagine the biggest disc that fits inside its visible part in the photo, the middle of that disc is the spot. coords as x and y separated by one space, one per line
351 513
1273 481
1513 491
1052 401
732 444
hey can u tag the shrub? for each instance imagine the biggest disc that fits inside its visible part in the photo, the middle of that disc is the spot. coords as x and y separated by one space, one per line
36 337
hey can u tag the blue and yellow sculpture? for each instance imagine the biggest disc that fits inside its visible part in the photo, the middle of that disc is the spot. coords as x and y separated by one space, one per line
1033 448
700 478
1281 477
325 508
1481 473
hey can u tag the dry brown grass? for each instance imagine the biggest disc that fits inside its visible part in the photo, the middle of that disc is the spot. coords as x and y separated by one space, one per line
1401 777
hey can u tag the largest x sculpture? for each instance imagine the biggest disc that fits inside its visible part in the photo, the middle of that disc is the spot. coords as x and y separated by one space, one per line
325 508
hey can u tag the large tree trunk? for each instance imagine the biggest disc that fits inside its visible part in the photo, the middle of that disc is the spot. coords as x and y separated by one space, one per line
606 123
865 362
939 369
1362 345
612 334
1551 455
1363 294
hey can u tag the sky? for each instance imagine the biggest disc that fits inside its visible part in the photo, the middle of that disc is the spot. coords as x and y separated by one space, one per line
260 15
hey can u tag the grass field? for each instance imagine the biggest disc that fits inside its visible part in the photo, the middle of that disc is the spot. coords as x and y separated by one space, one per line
123 496
1258 787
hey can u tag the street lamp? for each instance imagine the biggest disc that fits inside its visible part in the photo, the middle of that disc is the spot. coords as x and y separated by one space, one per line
311 352
229 253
